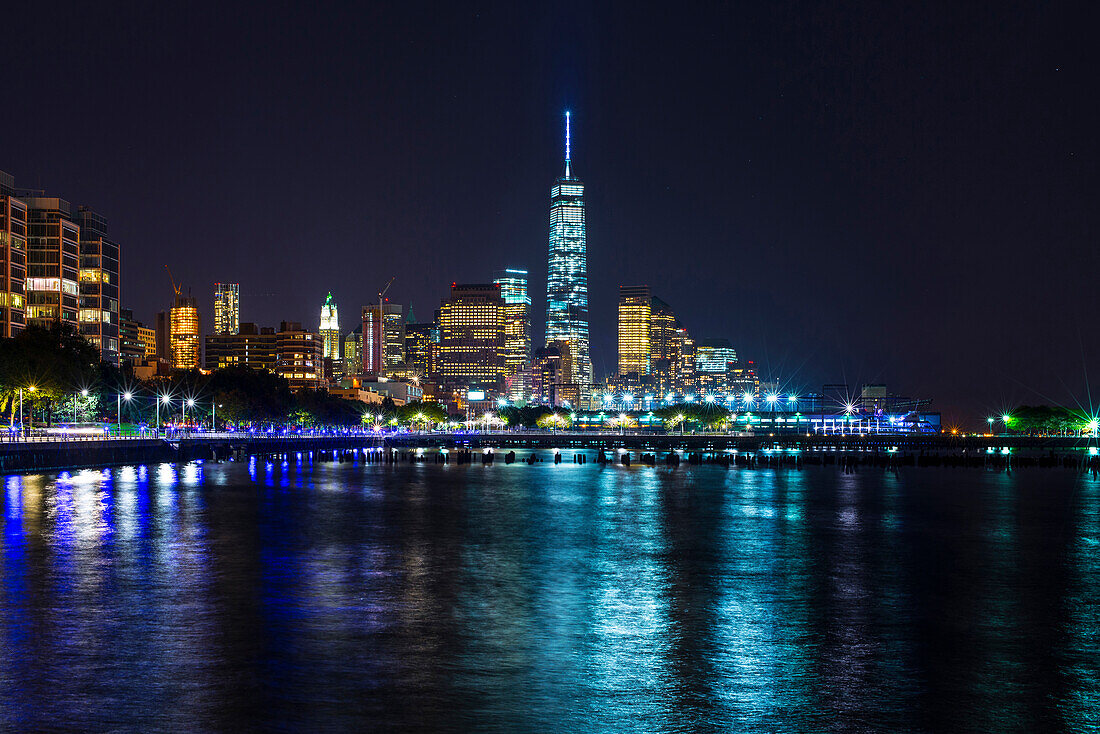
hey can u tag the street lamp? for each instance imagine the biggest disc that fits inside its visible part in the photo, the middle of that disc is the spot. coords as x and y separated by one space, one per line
1005 419
990 422
190 403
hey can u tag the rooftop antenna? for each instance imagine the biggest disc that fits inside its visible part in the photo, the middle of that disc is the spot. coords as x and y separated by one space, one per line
567 115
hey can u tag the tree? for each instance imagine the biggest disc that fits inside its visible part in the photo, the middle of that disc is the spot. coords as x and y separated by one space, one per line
56 362
527 416
554 420
421 411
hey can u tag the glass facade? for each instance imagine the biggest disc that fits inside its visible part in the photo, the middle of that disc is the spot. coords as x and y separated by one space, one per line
53 263
13 260
227 308
517 321
567 272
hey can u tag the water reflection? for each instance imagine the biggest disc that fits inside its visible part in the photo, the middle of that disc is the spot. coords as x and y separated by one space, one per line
541 597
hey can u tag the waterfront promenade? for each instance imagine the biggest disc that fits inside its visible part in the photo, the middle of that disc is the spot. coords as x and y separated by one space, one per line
51 452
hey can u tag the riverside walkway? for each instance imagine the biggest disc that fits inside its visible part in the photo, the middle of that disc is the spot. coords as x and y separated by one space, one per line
54 452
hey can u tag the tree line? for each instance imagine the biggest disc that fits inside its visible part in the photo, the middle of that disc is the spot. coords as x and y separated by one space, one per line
60 378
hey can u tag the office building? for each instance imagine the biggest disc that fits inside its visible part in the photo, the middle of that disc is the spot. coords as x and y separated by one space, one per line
567 273
686 375
13 259
552 374
53 262
517 321
383 339
714 358
298 356
664 345
330 330
353 353
99 285
634 329
419 339
471 338
251 346
227 308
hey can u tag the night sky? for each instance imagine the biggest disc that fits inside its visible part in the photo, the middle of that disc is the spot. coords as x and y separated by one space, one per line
898 194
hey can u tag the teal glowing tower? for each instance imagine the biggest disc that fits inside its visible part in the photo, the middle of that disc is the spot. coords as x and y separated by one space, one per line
567 273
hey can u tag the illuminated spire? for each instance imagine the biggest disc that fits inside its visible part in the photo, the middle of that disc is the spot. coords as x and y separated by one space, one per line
567 114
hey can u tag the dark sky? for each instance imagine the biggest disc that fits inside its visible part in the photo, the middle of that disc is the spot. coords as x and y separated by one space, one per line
901 194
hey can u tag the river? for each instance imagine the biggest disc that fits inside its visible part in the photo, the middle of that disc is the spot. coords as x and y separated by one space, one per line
307 596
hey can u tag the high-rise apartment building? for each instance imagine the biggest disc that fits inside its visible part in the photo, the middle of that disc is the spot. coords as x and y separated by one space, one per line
471 338
634 329
517 321
664 345
567 272
227 308
298 356
99 286
184 334
383 339
136 342
250 347
13 258
53 262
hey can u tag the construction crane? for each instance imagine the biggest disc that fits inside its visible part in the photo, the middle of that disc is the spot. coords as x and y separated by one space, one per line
175 287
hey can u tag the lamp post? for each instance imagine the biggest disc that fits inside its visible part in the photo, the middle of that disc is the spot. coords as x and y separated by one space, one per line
990 422
122 395
1005 419
83 393
190 403
161 399
22 430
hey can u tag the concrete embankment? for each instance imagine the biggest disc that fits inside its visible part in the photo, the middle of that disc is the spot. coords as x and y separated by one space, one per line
57 455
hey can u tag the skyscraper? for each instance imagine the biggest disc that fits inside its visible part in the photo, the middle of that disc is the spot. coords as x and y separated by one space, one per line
330 330
227 308
634 329
517 328
471 338
567 272
383 339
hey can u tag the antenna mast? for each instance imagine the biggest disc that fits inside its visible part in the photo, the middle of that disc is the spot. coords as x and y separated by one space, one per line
567 115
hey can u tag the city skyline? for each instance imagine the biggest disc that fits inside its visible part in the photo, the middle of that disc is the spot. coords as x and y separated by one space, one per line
857 215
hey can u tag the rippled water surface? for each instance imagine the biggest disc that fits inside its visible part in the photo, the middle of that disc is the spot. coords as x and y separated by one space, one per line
329 596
